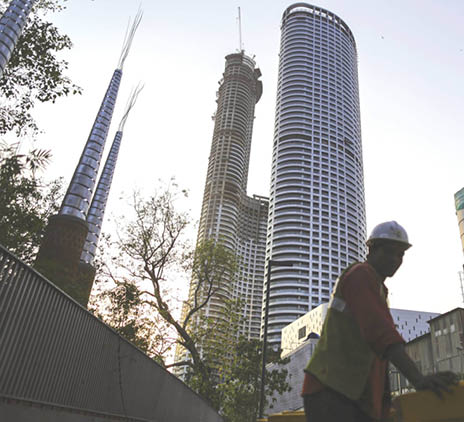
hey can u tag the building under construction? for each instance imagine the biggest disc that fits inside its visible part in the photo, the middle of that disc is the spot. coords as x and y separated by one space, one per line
228 215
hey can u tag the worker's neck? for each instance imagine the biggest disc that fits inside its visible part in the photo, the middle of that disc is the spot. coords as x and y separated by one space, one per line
373 262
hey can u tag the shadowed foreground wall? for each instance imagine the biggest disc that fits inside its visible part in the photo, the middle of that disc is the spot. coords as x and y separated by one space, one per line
59 254
56 355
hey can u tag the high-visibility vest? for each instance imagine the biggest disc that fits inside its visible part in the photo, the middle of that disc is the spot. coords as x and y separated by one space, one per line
342 358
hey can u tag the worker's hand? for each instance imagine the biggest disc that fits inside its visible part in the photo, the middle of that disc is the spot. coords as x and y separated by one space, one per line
439 382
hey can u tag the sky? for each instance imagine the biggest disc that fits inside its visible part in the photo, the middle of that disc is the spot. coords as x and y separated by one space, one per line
411 60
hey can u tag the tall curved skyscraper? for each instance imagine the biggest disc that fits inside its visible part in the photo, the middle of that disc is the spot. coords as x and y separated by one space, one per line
316 207
228 214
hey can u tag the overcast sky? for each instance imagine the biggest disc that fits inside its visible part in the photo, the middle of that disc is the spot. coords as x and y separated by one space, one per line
410 55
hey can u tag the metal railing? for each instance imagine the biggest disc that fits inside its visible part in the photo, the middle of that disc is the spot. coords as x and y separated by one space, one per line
52 350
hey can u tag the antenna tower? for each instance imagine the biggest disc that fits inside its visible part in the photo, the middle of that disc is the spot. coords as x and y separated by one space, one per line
129 37
130 103
240 46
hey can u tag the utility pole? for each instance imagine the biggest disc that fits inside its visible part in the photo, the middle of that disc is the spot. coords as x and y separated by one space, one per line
461 279
270 263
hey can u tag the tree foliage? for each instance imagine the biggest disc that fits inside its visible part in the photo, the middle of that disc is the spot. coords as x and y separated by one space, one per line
121 305
26 200
241 386
151 253
152 250
236 363
34 72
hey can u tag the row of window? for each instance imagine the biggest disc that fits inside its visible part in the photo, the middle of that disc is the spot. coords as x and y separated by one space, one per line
306 28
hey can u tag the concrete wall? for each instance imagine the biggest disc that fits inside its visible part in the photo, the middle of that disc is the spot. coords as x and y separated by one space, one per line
447 338
54 352
420 351
27 411
297 362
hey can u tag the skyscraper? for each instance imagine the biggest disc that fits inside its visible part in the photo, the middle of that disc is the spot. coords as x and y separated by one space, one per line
316 206
228 215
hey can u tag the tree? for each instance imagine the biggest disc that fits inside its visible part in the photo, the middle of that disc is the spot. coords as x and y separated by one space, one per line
122 306
149 255
151 251
241 387
236 363
34 73
26 200
216 338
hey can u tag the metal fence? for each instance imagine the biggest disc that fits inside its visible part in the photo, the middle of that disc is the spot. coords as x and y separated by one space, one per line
52 350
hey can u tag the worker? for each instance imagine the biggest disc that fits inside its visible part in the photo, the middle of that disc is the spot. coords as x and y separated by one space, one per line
346 379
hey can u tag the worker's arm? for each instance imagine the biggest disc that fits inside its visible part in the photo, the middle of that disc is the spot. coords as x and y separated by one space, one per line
438 382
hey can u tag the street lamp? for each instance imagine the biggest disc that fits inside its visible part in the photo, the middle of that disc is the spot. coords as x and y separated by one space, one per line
270 263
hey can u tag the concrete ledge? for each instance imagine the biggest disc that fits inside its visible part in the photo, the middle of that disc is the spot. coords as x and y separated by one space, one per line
13 409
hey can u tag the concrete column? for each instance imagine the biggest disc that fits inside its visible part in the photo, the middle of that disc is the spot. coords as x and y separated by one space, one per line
59 255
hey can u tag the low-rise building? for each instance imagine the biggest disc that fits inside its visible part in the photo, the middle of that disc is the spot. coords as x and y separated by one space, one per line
410 324
434 343
441 349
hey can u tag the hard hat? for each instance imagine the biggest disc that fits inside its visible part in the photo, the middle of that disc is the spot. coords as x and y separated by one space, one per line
389 230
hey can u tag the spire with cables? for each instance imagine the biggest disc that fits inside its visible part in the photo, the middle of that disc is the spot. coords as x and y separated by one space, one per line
98 205
67 233
77 199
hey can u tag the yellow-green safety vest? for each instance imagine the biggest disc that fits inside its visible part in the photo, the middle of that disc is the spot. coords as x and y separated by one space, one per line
342 358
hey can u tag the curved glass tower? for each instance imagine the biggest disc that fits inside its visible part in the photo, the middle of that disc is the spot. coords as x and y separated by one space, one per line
316 208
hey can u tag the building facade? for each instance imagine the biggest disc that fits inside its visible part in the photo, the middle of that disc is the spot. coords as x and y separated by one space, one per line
228 215
433 342
445 344
440 349
316 206
409 323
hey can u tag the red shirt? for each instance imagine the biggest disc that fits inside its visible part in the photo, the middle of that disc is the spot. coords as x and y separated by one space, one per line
365 295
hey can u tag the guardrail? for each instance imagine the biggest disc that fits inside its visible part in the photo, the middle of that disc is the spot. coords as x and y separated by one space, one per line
52 350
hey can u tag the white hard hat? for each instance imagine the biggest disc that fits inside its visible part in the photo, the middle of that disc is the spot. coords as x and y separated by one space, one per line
389 230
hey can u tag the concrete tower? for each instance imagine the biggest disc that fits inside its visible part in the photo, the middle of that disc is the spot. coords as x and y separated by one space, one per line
60 252
316 206
59 257
228 215
11 26
86 270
